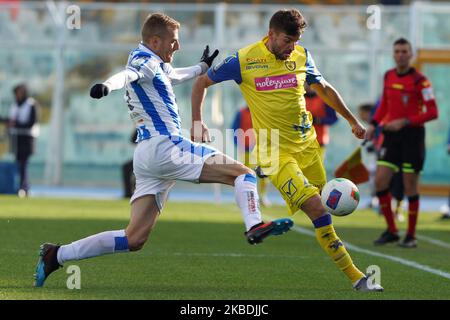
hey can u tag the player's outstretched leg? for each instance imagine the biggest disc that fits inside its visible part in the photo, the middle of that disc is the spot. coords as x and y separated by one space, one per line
333 246
247 198
257 233
144 212
52 257
47 263
223 169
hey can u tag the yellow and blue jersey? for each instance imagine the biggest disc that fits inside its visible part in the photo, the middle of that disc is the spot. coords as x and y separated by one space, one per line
274 92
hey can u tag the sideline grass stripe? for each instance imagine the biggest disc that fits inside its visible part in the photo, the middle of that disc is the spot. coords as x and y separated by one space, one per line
405 262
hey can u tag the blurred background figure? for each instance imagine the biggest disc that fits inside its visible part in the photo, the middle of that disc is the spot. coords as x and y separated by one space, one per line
128 178
245 144
372 147
23 130
445 210
323 117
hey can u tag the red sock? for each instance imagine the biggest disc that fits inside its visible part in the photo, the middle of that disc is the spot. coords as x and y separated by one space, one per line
413 212
384 198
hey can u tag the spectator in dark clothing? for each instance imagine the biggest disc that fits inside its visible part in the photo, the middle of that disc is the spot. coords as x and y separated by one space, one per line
22 130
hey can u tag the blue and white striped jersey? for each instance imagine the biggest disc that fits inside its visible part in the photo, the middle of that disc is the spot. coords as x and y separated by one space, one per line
150 98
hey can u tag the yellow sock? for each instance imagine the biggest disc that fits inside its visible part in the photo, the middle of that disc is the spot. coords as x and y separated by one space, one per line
333 246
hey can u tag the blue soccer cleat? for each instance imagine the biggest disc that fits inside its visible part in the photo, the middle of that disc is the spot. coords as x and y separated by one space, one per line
46 264
262 230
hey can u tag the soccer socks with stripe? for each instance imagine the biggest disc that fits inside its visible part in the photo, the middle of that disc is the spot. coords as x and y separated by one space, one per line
413 212
384 198
333 246
95 245
247 199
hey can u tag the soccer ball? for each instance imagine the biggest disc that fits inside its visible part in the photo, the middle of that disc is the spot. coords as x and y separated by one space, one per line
340 196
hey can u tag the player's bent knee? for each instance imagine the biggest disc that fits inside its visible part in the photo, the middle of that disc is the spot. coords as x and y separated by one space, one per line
137 244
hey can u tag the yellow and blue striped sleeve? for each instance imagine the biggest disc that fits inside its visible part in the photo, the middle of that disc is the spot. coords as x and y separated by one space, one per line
228 69
313 75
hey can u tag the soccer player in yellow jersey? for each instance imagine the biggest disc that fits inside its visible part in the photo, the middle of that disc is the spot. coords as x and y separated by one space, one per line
271 74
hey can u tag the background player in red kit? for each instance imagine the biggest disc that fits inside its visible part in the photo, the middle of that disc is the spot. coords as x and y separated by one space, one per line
407 103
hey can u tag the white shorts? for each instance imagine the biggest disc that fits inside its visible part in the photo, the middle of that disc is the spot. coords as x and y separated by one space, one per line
161 160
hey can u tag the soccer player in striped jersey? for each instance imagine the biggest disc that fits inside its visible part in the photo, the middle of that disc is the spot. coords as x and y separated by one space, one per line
162 155
271 75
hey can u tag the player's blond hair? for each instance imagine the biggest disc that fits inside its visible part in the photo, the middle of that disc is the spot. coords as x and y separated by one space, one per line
157 24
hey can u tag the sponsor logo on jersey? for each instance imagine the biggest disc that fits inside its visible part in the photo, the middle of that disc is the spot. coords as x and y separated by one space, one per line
398 86
256 66
290 65
137 63
276 82
255 60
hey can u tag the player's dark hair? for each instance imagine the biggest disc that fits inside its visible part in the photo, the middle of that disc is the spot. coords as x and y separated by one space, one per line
20 86
402 41
366 107
289 21
157 24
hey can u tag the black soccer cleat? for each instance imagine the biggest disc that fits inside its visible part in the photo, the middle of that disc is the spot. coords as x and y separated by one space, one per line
262 230
47 263
386 237
408 242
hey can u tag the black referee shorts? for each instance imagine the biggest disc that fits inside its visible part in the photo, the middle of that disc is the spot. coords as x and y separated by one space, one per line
404 149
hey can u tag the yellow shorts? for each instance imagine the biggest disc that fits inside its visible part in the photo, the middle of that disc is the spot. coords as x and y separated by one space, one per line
299 176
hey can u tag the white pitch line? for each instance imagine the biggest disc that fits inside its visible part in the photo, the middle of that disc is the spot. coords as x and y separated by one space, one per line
434 241
405 262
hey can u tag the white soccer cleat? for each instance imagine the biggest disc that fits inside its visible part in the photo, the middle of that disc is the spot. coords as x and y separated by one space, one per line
363 285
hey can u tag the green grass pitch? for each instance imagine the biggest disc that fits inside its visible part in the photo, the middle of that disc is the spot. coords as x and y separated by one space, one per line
198 251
